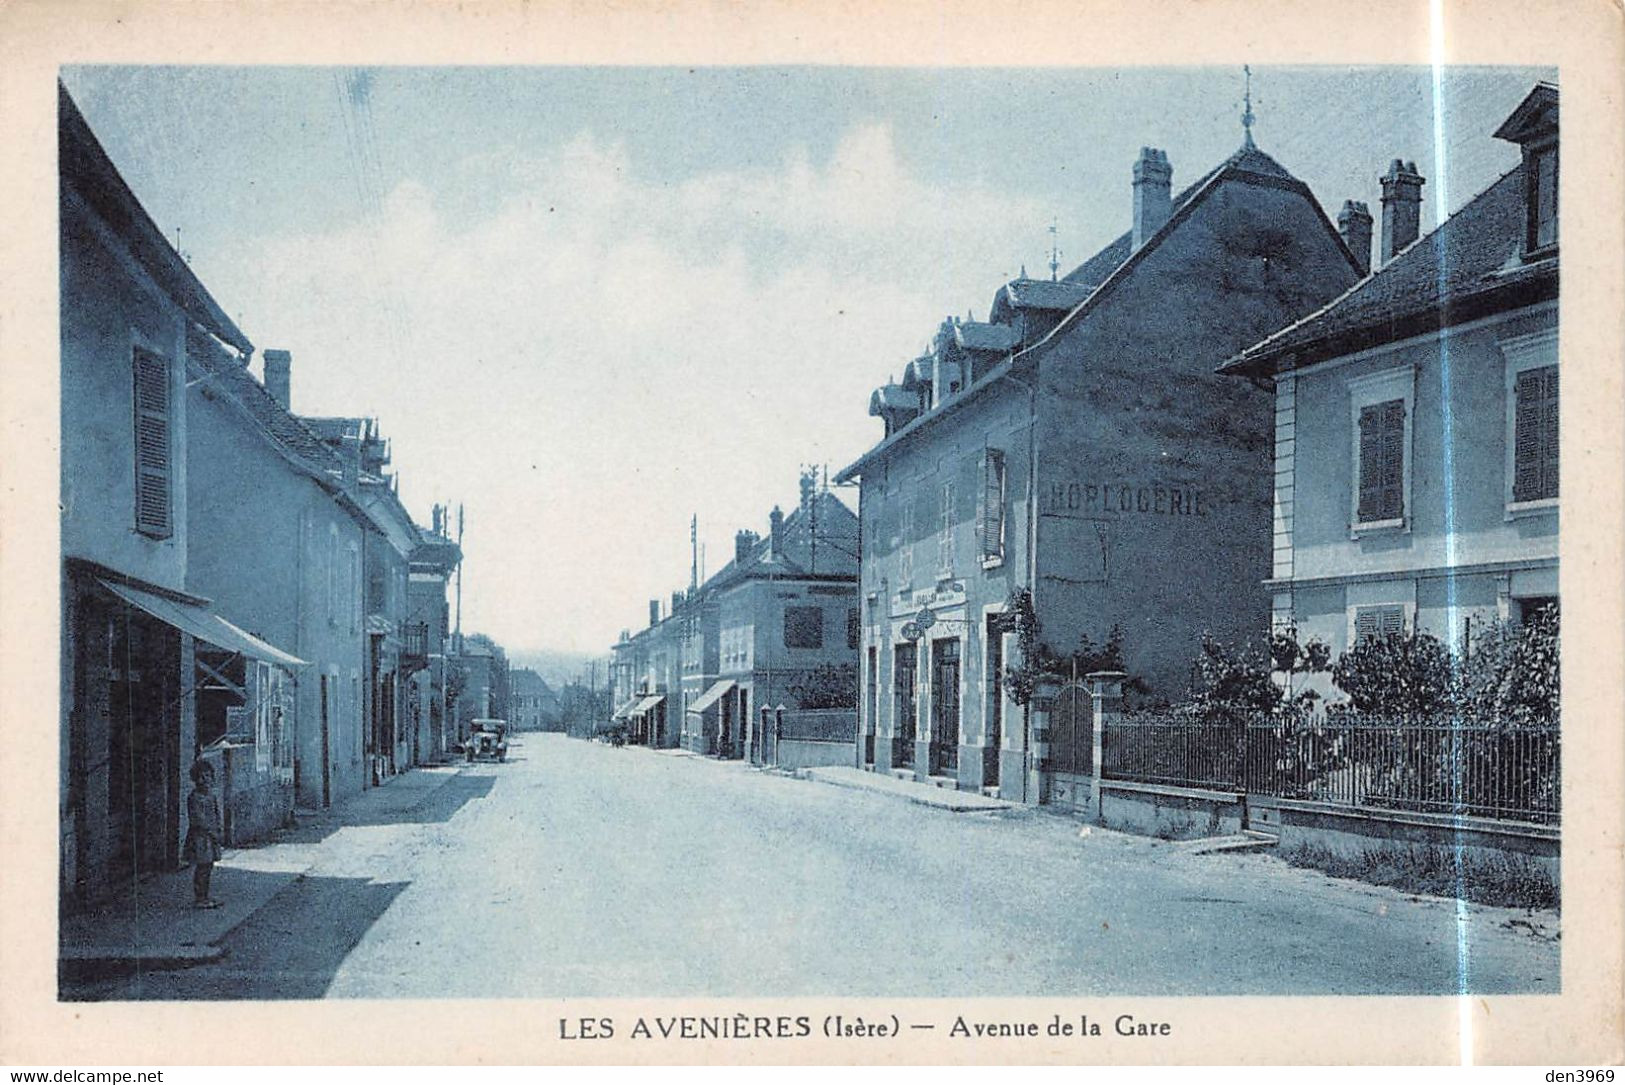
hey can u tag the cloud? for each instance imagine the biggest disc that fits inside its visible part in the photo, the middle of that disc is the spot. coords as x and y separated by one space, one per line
586 354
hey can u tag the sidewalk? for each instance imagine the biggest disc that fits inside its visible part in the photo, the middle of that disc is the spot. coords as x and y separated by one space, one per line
155 926
925 794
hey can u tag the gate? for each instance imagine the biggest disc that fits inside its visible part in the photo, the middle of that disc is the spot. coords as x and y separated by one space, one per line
1070 764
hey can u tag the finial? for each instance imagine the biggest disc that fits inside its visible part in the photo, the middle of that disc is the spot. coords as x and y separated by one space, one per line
1247 117
1054 250
1023 271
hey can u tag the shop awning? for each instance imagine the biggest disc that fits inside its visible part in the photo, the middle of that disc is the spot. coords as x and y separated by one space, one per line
648 703
625 710
712 695
202 623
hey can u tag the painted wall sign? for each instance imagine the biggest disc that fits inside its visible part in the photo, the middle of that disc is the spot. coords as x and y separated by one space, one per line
1087 500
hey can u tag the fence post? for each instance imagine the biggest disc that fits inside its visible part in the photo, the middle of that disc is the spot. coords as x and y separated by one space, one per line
1106 691
1045 691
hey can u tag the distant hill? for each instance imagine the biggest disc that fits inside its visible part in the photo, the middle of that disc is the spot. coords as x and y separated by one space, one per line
561 668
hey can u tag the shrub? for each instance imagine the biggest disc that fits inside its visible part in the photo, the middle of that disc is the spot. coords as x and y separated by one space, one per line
1401 674
1511 674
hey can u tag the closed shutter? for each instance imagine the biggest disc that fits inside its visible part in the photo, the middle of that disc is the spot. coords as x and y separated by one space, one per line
991 513
1535 441
1382 461
153 460
1372 623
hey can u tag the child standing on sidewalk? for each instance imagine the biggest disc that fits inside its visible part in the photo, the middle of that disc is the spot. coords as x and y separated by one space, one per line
204 832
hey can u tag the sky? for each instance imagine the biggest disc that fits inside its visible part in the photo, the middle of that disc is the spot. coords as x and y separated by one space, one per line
589 304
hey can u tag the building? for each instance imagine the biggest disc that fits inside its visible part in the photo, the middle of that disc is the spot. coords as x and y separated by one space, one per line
393 653
532 702
1416 416
783 610
290 563
646 676
429 634
1078 447
485 682
137 640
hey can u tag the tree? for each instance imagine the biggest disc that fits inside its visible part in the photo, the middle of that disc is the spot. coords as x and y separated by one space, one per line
1512 673
1401 674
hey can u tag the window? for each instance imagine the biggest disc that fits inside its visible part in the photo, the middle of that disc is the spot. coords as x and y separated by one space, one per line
1372 623
154 511
991 520
945 538
1382 461
352 588
803 627
1540 186
1382 410
854 628
1534 439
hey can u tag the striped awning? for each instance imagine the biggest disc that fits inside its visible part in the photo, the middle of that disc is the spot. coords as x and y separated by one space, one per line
625 710
648 703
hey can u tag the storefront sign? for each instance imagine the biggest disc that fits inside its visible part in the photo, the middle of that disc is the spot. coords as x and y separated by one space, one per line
1089 500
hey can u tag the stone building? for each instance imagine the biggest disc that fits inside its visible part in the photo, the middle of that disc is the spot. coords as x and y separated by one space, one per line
428 634
1416 416
1078 445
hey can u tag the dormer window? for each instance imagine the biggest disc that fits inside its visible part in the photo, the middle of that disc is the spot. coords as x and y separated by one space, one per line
1533 127
1540 188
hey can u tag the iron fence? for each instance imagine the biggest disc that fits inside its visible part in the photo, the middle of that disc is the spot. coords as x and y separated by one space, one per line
1170 750
1429 765
1442 766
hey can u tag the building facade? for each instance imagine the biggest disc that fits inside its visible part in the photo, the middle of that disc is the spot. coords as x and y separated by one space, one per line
137 641
1077 450
1416 417
428 634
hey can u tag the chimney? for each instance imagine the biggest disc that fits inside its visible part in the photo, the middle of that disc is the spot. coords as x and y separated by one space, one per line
744 541
1401 207
775 533
654 612
1153 201
278 366
1354 223
809 483
676 601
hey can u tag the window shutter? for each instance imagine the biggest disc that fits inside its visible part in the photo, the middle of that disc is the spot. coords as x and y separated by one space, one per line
153 461
992 510
1535 435
1372 623
1365 625
1392 621
1382 461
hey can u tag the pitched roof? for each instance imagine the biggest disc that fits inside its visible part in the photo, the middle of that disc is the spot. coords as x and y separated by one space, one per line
1098 275
1469 266
232 377
975 335
834 553
85 165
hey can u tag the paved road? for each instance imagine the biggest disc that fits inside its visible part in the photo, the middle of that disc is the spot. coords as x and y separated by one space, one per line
577 869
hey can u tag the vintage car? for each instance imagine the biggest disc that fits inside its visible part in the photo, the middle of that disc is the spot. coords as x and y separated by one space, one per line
489 740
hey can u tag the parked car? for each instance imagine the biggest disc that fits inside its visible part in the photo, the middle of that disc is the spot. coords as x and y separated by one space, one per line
489 741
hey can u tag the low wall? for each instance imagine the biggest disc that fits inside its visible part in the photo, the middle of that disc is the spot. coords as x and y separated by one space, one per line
1173 813
1354 834
800 753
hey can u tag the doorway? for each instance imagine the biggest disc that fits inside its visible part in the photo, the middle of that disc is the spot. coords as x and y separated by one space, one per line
327 786
945 707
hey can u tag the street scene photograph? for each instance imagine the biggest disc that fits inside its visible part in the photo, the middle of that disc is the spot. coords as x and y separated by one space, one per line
791 531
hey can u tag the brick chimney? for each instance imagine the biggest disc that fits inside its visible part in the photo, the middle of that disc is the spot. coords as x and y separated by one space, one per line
654 612
676 601
1354 223
1401 207
775 533
278 373
1153 199
744 542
